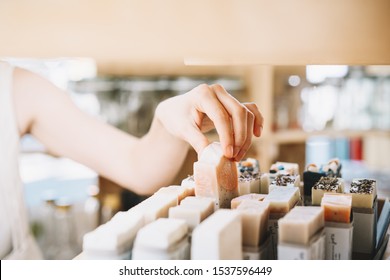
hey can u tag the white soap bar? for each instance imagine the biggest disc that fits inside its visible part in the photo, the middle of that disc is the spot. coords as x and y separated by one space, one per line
180 191
219 237
363 193
193 211
337 207
216 176
189 182
156 206
114 237
252 196
161 234
283 199
264 183
300 224
204 204
326 184
254 222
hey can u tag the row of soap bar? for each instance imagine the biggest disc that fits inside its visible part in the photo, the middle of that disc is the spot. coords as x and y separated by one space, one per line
115 238
363 191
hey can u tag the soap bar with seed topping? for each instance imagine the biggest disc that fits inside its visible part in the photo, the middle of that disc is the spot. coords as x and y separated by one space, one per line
326 184
216 176
248 185
219 237
285 180
337 207
363 193
254 216
300 224
252 196
282 200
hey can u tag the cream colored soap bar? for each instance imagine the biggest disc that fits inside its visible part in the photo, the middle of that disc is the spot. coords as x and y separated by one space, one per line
264 183
156 206
189 182
204 204
363 193
324 185
219 237
282 200
193 210
300 224
254 216
337 207
113 238
160 238
216 176
252 196
248 185
180 191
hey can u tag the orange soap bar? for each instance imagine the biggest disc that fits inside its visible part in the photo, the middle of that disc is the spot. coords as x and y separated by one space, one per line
337 207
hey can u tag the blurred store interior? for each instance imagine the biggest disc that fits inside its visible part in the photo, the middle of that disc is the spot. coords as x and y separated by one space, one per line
320 75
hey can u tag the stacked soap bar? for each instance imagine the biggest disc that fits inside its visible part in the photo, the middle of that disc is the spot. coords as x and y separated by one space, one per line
337 207
254 216
157 206
180 192
363 193
313 173
114 239
285 180
282 200
216 176
193 210
300 224
338 225
251 196
163 239
219 237
250 180
326 184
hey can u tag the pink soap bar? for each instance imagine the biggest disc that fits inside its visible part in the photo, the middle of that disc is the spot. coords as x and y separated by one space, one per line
216 176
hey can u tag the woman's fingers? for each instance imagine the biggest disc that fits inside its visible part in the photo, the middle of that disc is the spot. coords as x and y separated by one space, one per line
208 103
245 147
235 122
240 116
259 120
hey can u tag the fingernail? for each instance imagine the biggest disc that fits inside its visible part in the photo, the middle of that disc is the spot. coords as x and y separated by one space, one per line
230 151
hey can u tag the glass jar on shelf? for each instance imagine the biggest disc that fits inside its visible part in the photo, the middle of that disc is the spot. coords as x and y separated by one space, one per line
66 242
139 97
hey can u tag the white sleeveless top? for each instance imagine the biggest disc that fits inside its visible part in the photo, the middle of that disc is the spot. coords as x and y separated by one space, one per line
16 241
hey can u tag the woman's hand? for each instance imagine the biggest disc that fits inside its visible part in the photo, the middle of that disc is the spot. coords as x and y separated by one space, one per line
205 107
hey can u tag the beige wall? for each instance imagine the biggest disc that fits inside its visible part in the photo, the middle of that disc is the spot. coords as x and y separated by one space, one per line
154 32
